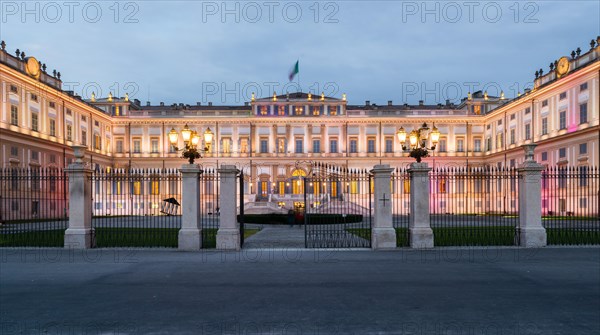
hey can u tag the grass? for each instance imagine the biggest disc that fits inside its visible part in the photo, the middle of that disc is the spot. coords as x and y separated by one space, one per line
571 236
113 238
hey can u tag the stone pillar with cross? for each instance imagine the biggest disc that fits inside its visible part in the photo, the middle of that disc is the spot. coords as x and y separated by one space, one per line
419 224
383 234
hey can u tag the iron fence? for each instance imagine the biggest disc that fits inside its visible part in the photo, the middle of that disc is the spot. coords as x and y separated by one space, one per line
33 207
338 208
209 206
401 205
571 204
136 207
474 206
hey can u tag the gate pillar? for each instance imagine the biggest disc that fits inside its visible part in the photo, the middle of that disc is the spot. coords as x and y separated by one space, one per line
419 225
383 234
532 233
79 234
190 234
228 235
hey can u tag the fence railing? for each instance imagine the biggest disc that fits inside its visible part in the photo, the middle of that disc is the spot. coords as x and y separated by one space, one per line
401 205
136 208
474 206
571 204
33 207
209 206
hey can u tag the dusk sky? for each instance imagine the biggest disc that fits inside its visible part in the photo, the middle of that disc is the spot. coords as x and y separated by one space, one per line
190 51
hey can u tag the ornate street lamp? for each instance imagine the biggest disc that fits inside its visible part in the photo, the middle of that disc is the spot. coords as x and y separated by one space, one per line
417 138
190 140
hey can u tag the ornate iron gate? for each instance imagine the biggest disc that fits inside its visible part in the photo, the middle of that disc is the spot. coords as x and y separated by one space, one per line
338 208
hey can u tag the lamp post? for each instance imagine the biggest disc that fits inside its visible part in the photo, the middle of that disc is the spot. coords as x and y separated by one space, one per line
417 145
190 140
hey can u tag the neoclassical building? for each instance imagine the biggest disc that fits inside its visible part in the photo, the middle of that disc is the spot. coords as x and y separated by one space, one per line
275 137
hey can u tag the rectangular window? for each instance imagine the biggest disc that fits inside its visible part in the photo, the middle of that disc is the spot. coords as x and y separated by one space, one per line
583 87
333 146
353 145
544 156
83 137
244 145
583 148
371 145
513 116
14 115
52 104
562 120
154 145
477 145
333 110
119 146
52 127
562 152
512 136
583 115
35 155
299 146
545 103
264 145
544 126
281 110
442 145
172 148
281 145
137 145
389 144
14 151
316 110
527 110
14 89
263 110
499 140
69 112
34 121
316 146
299 110
562 96
500 122
83 118
33 97
460 145
226 145
528 131
97 143
488 144
69 132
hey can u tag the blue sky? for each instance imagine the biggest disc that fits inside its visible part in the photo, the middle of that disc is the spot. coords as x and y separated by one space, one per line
201 51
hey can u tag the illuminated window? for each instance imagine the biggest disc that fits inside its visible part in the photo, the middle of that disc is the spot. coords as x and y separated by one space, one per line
442 186
154 187
299 110
137 187
263 110
406 186
281 145
477 110
281 110
226 145
354 187
333 110
316 110
69 132
244 145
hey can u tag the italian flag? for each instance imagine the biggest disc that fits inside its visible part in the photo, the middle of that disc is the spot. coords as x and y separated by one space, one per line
294 71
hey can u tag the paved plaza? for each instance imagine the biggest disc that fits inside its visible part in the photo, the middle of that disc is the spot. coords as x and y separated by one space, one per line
298 291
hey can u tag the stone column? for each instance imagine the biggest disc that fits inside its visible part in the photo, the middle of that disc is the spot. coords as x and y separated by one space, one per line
79 234
190 234
228 235
383 234
532 233
419 226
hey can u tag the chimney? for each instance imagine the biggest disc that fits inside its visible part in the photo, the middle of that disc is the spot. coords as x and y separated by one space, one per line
181 104
162 103
420 102
527 90
198 103
367 103
136 101
210 103
389 102
447 102
245 103
147 103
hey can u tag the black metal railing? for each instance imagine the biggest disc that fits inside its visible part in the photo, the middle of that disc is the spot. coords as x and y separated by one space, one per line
474 206
136 208
571 204
33 207
338 208
401 205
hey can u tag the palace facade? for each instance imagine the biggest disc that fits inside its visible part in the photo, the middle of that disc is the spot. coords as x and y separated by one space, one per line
274 137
